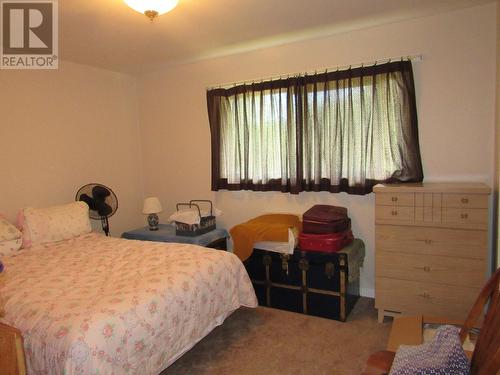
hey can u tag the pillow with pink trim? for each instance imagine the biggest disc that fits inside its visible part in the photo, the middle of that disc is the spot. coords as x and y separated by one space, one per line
26 239
10 248
53 224
10 238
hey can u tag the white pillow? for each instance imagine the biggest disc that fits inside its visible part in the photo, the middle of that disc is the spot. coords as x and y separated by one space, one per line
8 232
57 223
9 248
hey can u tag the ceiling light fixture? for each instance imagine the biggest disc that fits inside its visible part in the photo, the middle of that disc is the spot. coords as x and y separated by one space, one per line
152 8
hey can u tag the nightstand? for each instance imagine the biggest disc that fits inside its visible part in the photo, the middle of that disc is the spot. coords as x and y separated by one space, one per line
216 239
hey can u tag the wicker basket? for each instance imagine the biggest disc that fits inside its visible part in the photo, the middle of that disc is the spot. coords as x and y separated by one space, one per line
207 223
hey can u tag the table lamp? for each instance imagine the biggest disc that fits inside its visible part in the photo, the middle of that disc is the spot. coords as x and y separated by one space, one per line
152 207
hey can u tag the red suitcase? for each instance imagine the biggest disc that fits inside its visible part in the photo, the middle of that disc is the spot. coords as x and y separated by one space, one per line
325 243
322 219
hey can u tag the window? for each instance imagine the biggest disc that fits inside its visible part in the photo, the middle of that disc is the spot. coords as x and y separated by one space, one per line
337 131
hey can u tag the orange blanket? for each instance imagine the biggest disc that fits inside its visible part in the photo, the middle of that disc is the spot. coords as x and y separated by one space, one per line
271 227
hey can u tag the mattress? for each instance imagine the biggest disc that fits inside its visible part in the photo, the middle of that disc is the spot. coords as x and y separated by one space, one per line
100 305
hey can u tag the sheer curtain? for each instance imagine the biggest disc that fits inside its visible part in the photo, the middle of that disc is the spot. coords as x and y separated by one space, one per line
337 131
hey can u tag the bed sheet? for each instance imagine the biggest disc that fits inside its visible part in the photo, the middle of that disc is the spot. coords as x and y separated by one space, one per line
100 305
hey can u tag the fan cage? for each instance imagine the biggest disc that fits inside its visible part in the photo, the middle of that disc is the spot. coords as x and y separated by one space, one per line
113 200
110 200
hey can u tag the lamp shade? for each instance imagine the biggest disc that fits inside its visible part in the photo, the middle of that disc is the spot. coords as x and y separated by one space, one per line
152 205
160 6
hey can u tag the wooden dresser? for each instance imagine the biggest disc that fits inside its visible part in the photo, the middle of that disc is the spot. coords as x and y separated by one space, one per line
431 248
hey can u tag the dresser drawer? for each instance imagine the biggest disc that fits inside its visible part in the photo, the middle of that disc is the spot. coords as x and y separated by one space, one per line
395 199
475 217
431 247
429 268
465 200
397 214
415 297
432 241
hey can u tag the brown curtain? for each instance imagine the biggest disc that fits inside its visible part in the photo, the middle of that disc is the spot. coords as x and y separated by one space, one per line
336 131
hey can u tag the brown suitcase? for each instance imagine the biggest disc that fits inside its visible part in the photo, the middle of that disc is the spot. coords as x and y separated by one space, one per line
323 219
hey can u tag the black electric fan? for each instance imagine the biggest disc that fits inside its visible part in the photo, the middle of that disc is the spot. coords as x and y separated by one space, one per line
102 203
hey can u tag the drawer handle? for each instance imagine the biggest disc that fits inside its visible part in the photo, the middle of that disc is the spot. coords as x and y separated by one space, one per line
425 295
394 213
465 200
426 241
464 216
424 268
394 199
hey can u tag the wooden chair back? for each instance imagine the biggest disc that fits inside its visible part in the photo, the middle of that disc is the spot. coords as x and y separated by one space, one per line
486 356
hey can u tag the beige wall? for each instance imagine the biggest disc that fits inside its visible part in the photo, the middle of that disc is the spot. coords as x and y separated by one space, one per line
62 129
456 96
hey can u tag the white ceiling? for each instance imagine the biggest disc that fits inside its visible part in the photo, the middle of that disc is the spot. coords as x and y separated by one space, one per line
108 34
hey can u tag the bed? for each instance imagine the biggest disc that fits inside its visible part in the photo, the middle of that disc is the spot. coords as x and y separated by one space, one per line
99 305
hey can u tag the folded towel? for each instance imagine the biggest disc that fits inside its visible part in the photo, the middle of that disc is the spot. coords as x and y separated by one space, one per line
192 215
271 227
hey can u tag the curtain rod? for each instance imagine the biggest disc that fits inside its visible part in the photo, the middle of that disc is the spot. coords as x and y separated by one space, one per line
324 70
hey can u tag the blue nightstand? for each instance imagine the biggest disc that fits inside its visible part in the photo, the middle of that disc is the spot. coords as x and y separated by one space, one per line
216 239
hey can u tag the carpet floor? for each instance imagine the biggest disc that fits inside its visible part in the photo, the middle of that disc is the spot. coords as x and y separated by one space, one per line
265 341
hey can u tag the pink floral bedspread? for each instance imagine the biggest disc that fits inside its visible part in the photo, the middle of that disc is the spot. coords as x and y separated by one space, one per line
98 305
